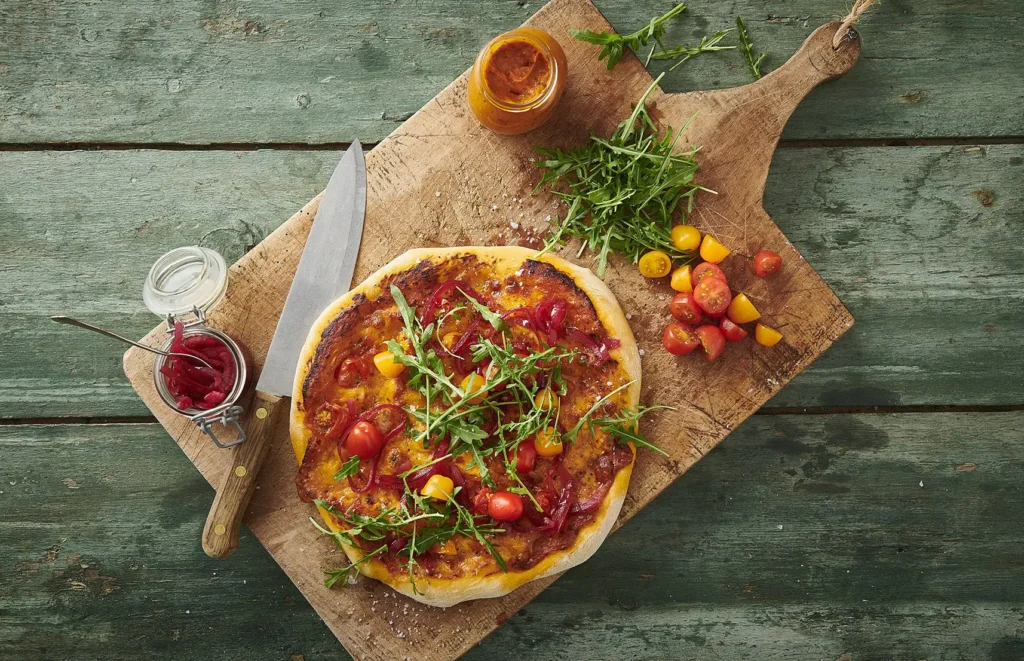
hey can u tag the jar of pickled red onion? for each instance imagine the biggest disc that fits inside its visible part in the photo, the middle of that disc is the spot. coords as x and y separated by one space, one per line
182 287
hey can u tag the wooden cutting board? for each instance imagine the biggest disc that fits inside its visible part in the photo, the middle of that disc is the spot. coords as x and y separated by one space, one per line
443 180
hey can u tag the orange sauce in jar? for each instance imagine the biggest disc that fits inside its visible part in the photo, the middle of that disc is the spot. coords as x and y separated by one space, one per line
517 80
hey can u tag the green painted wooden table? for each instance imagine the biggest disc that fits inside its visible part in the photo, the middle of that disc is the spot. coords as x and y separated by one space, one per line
871 511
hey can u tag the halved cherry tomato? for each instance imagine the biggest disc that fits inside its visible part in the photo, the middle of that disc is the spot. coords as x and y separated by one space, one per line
364 440
438 487
712 341
766 335
679 339
742 311
713 251
713 296
685 309
526 456
682 279
351 372
732 332
387 365
505 506
766 263
685 237
706 270
655 264
548 442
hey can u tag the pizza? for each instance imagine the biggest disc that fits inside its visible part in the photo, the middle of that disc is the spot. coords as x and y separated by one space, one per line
466 421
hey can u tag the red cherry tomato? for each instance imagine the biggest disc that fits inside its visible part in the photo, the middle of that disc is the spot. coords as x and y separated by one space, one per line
713 296
680 339
732 332
685 309
706 270
481 499
351 372
505 506
712 341
364 440
526 457
766 263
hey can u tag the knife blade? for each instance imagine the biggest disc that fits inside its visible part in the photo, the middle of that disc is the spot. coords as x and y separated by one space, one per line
324 272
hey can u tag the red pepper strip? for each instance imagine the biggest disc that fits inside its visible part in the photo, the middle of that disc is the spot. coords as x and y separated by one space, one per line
370 481
591 503
565 498
549 315
420 477
600 350
520 317
390 483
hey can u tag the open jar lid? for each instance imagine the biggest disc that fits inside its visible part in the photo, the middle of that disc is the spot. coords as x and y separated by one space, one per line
185 279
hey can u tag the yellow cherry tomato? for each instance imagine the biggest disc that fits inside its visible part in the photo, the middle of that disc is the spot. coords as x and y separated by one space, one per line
387 365
548 443
742 311
545 399
473 386
655 264
769 337
438 487
682 279
712 251
685 237
450 339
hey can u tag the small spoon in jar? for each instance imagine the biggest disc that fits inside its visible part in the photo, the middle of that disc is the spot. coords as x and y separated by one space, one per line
61 319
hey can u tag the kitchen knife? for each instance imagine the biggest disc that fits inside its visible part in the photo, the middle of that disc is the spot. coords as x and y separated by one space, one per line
324 273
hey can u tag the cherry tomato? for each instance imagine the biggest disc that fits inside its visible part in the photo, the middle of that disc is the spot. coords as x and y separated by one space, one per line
685 309
685 238
680 339
505 506
713 296
766 263
706 270
733 332
655 264
526 457
364 440
712 341
711 250
350 373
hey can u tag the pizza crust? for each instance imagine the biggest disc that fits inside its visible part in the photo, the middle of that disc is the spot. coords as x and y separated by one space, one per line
507 259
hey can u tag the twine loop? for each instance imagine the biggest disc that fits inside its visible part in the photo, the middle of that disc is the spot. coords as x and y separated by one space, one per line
859 7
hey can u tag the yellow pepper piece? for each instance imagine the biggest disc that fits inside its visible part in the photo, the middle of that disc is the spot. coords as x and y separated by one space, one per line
769 337
713 251
438 487
387 365
685 237
473 386
681 279
548 443
742 311
545 399
655 264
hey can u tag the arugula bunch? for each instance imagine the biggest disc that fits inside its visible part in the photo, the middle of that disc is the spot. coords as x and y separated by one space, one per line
622 192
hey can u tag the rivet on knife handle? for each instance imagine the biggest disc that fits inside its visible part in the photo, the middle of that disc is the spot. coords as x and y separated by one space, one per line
220 536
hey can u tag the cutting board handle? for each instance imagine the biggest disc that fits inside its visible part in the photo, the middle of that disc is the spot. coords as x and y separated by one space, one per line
741 126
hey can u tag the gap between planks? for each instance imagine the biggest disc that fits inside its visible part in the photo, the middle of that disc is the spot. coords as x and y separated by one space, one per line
769 411
341 146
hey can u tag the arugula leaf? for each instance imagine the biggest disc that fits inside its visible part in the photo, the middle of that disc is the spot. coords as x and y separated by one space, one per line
350 467
490 316
687 53
747 48
614 45
343 573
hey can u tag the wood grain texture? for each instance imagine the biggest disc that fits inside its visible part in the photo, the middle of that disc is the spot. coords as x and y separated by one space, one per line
438 173
237 484
897 233
99 553
314 72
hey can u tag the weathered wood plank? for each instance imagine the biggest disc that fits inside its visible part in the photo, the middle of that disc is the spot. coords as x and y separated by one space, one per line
799 537
920 243
311 72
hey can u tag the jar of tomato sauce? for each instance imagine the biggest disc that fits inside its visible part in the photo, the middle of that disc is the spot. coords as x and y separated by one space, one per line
517 80
182 286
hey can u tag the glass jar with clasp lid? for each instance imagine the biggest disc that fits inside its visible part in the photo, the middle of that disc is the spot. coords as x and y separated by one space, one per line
212 371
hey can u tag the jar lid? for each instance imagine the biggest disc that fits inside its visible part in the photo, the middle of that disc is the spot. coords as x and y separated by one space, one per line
184 279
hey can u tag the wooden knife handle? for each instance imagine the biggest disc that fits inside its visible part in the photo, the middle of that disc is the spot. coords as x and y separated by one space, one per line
220 536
